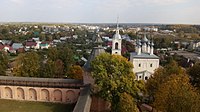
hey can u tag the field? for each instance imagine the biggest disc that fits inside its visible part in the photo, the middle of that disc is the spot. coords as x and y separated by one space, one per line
24 106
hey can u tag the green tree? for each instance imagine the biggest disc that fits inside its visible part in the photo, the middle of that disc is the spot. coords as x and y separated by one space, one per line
62 53
66 55
47 69
194 73
52 53
177 95
3 63
27 65
113 75
59 68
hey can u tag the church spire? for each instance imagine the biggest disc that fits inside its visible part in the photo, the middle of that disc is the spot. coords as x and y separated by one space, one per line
117 31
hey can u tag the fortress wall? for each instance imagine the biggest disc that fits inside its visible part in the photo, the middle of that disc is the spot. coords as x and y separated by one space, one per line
42 94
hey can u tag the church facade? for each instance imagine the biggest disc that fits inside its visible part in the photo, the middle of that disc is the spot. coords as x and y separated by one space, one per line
144 60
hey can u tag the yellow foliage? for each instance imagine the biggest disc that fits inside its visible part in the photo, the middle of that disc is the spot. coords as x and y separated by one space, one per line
177 95
75 72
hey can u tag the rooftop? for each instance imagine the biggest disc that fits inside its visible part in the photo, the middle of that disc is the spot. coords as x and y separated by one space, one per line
39 82
144 56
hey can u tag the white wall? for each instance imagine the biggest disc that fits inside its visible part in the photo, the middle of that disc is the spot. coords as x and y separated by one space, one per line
145 64
119 46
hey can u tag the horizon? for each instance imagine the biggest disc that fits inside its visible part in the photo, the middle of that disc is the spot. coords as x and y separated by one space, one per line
13 22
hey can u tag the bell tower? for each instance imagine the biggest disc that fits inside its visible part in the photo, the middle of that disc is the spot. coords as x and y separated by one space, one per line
117 42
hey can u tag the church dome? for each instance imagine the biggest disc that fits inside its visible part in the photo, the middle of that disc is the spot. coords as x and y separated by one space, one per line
152 44
117 35
149 43
145 39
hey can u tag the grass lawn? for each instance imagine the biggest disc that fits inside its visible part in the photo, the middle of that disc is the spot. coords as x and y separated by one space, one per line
25 106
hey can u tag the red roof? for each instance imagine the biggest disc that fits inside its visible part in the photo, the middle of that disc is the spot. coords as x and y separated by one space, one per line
46 42
109 43
30 43
1 46
10 48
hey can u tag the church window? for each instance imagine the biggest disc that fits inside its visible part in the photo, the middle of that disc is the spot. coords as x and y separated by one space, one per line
115 52
139 65
116 45
151 65
146 78
140 77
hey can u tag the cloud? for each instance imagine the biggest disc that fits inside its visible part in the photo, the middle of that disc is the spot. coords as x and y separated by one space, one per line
17 1
164 2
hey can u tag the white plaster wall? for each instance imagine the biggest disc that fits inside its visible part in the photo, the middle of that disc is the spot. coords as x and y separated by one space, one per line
145 65
119 46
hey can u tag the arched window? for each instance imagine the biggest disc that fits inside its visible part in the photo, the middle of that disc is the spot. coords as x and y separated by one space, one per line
116 45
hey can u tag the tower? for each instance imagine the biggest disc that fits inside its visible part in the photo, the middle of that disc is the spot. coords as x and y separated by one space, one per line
144 44
151 50
117 42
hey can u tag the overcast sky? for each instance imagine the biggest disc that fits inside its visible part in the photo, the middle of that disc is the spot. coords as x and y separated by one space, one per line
101 11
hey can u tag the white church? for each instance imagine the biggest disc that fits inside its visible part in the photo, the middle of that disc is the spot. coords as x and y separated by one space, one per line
144 60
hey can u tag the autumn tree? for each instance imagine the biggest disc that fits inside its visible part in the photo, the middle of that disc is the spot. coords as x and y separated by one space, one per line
127 103
113 75
75 72
27 65
160 76
177 95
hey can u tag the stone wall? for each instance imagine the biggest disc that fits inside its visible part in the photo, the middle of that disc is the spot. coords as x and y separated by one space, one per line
100 105
42 94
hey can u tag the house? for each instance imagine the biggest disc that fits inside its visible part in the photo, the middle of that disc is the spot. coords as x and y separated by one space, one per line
17 46
7 48
30 45
63 38
55 41
6 42
44 45
36 39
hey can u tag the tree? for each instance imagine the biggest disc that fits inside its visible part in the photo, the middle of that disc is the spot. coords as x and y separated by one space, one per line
160 76
75 72
52 53
113 75
62 53
66 55
47 69
127 103
177 95
27 65
194 73
59 68
3 63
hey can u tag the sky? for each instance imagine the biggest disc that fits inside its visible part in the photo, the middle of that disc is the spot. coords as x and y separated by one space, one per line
101 11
